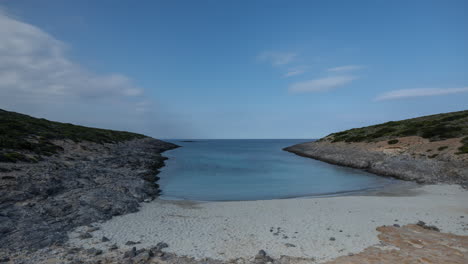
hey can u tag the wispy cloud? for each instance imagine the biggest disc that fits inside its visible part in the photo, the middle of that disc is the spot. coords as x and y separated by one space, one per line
295 71
322 84
37 77
408 93
277 58
346 68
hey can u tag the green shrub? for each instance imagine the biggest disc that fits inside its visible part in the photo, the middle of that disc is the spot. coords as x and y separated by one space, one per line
20 132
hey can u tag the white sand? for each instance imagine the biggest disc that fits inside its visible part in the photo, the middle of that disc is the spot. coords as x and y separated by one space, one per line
227 230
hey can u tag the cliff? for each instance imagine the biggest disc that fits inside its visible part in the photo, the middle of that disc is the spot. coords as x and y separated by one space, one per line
56 176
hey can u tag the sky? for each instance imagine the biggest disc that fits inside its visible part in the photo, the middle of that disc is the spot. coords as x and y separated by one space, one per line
233 69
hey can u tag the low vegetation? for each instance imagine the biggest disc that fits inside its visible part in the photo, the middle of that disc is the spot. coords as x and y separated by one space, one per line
433 127
25 138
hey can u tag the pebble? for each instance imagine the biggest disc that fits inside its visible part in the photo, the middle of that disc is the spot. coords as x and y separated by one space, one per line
332 239
104 239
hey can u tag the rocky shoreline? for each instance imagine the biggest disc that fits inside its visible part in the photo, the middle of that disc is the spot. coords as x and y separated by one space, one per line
85 183
411 159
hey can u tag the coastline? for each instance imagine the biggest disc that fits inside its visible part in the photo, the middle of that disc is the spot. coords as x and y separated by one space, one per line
85 183
405 161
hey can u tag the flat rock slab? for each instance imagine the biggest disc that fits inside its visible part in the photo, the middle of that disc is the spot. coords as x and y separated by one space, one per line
412 244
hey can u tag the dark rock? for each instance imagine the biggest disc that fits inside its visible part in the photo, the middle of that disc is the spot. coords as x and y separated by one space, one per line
396 225
332 239
4 259
262 257
104 239
261 254
161 245
428 227
76 188
113 247
94 251
131 253
130 243
289 245
85 236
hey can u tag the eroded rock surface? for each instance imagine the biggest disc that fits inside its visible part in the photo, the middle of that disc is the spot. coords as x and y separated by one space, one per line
85 183
411 158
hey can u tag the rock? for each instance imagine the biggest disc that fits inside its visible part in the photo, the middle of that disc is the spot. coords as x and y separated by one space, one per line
130 243
261 254
92 229
94 251
161 245
262 257
104 239
113 247
131 253
332 239
142 257
64 191
428 227
85 236
4 259
396 225
289 245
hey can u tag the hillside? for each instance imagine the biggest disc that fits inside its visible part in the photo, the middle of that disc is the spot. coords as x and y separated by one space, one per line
56 176
434 128
428 149
28 139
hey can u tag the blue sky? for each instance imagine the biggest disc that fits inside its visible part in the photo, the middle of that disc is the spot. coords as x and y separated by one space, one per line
233 69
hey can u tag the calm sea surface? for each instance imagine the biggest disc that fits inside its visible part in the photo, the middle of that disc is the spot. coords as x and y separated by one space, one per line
220 170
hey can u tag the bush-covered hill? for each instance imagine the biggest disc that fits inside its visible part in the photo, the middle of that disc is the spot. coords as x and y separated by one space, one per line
433 127
22 134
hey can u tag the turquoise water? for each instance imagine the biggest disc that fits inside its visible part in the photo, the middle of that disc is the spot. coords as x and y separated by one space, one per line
223 170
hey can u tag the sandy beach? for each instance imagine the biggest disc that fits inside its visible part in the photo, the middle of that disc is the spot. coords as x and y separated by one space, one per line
319 228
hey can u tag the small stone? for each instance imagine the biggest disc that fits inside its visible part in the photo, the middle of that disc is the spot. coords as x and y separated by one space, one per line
94 251
341 231
131 243
332 239
131 253
161 245
396 225
289 245
350 254
92 229
85 236
113 247
261 254
104 239
461 216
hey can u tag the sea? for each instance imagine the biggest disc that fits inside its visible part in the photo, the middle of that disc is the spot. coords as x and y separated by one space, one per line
255 169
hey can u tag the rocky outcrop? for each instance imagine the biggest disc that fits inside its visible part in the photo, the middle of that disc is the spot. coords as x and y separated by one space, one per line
84 183
408 158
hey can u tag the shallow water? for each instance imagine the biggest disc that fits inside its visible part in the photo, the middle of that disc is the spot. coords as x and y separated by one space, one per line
223 170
